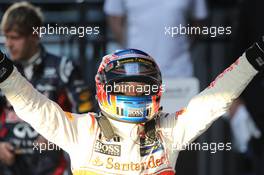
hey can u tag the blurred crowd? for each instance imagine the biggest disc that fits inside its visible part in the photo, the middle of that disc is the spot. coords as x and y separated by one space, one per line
62 67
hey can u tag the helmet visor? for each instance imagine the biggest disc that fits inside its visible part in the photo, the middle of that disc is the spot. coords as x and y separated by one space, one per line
132 70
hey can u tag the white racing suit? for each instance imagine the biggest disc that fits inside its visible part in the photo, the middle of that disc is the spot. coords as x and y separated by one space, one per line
90 153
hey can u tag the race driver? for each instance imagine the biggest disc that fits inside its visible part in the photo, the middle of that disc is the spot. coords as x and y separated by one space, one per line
131 135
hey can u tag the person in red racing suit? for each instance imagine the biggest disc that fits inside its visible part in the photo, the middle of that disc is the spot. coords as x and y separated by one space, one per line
131 135
58 78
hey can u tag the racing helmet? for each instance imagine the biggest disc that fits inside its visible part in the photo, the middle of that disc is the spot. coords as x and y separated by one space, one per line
129 86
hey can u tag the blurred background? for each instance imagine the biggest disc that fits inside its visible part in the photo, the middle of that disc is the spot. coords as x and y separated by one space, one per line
209 56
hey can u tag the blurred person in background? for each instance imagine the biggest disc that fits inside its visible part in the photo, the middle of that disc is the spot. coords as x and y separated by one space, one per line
142 25
56 77
247 112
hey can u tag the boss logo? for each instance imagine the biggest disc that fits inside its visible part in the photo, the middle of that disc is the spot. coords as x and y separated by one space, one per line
135 113
109 149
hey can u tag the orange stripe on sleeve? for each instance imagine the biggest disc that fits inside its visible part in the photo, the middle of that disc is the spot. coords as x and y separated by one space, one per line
92 122
69 116
180 112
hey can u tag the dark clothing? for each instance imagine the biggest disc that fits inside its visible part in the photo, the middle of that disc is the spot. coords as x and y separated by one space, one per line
61 81
251 28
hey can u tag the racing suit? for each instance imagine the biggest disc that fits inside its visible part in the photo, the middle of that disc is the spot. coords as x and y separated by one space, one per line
56 78
130 152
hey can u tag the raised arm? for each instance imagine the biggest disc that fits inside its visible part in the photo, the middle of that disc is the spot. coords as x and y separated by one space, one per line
45 116
215 100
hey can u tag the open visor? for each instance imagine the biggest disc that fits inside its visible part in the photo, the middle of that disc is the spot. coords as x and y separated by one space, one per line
131 75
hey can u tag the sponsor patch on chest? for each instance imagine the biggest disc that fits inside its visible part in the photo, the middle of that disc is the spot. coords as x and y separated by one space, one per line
107 148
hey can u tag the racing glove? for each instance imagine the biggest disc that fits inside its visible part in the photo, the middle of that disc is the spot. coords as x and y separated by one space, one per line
6 67
255 55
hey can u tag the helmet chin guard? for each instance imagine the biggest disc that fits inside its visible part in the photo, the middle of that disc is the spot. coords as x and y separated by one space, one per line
129 86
